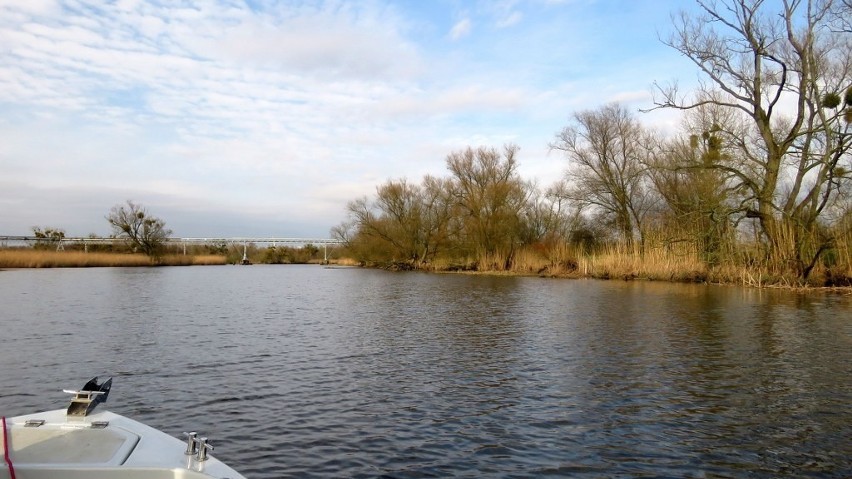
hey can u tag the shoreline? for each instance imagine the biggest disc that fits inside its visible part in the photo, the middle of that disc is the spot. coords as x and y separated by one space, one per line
846 290
39 259
26 259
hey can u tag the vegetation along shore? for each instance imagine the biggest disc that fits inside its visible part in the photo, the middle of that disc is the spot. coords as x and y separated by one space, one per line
755 187
605 262
30 258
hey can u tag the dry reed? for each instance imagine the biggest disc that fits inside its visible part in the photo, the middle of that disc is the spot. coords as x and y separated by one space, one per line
27 258
628 262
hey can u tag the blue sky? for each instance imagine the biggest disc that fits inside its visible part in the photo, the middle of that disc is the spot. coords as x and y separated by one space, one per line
264 118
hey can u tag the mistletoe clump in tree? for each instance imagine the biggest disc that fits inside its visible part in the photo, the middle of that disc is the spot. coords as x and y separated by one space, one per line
145 232
782 72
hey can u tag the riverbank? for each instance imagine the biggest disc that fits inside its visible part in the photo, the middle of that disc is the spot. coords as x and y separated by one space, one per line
749 281
30 258
627 267
27 258
654 265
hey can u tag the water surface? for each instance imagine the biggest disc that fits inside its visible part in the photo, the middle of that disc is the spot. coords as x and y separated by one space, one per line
305 371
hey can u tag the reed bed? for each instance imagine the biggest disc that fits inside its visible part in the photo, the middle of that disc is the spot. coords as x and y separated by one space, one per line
657 264
676 263
344 262
27 258
191 260
610 262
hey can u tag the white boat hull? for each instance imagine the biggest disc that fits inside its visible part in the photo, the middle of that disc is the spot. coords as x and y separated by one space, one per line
99 446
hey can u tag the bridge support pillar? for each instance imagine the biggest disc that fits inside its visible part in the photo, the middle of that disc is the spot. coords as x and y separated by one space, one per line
245 254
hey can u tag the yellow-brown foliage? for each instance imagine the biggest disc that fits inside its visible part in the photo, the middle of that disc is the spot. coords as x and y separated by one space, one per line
625 262
27 258
344 262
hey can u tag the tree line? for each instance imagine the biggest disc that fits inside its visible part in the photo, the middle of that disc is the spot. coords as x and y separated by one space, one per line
759 173
142 232
131 221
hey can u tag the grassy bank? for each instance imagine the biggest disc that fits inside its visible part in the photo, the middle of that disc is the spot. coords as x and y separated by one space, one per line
27 258
609 263
624 263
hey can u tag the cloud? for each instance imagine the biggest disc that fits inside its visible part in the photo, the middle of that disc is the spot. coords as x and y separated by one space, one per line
254 74
276 111
634 96
333 44
468 99
505 13
512 18
30 7
461 29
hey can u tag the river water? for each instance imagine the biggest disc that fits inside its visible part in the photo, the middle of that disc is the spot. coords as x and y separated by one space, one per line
305 371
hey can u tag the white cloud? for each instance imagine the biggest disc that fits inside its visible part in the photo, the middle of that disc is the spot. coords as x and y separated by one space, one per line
505 13
326 43
634 96
461 29
471 98
30 7
288 109
512 18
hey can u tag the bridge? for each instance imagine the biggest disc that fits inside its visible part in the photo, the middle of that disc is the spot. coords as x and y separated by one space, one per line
245 241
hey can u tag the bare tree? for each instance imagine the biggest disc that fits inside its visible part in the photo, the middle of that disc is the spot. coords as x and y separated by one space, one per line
699 204
48 237
400 213
345 232
607 149
409 220
132 221
490 196
842 14
785 72
436 215
546 216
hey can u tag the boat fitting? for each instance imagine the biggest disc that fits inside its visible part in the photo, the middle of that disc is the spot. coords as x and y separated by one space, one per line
89 396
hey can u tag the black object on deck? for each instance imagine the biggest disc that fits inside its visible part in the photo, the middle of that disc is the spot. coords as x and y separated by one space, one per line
89 396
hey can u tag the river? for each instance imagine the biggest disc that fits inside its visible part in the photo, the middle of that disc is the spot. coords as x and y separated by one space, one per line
306 371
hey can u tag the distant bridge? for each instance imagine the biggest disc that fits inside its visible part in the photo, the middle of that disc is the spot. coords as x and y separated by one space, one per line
258 241
192 240
86 241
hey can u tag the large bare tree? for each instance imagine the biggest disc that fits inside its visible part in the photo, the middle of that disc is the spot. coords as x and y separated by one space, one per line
490 196
607 150
132 221
781 68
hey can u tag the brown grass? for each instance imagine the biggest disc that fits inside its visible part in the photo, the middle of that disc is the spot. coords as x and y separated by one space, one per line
613 262
655 264
675 264
344 262
661 262
191 260
27 258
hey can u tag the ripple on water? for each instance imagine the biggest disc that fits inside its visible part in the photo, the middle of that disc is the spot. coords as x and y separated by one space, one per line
310 372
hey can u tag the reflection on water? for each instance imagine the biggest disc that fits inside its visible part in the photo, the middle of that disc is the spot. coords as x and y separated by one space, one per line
301 371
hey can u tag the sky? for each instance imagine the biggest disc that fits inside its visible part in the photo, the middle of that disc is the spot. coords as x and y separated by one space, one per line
264 118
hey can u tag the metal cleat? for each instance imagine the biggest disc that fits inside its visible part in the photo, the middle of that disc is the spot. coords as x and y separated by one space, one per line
203 448
191 444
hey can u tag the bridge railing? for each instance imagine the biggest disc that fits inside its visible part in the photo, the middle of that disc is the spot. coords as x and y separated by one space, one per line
257 240
25 240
